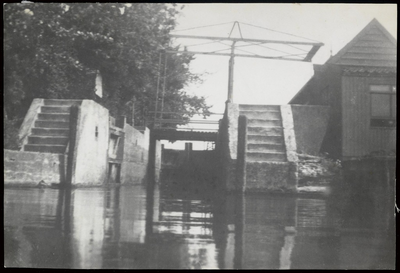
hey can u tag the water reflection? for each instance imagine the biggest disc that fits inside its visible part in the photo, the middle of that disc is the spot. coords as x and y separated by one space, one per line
147 227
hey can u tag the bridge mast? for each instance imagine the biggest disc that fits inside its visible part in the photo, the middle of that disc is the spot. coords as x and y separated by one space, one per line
306 56
231 70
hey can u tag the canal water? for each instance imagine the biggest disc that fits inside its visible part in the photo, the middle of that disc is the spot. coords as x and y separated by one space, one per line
179 227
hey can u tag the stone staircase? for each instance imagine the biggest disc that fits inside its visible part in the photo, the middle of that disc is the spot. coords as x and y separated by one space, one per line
50 131
265 140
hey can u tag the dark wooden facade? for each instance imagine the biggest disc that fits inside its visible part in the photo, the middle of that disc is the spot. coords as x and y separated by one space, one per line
359 84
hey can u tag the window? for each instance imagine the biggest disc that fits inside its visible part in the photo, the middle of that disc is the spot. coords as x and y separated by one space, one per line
383 105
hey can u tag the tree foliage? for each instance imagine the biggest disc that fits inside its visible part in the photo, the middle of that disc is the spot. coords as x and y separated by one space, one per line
54 50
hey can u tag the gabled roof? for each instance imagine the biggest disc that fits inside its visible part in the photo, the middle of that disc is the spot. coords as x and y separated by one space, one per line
373 46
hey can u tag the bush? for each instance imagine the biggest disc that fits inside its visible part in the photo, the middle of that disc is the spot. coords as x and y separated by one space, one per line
11 140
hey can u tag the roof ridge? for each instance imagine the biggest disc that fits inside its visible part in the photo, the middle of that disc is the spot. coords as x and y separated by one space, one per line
374 22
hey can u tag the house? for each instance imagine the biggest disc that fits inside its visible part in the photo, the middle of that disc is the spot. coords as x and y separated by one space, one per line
359 85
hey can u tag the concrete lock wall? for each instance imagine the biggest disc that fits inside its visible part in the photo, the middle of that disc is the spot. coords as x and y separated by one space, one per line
29 168
133 167
304 128
271 176
91 150
91 153
310 125
135 158
136 155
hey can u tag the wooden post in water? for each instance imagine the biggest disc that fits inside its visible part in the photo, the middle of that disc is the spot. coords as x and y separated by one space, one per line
188 150
120 122
150 185
73 128
241 154
151 163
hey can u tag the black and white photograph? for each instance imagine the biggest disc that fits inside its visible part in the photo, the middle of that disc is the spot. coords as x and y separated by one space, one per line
199 135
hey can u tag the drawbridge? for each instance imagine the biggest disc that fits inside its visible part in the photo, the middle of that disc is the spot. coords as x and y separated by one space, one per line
191 130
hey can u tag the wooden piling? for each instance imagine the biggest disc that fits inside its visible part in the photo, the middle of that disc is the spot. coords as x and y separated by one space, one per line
188 150
241 154
120 122
73 129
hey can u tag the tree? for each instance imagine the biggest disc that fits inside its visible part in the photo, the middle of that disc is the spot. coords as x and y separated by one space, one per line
54 50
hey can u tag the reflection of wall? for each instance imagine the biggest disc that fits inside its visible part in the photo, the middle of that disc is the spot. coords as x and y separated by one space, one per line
133 215
32 226
198 256
264 222
88 227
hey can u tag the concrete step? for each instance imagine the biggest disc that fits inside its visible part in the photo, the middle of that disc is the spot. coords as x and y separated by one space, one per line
41 148
262 147
62 102
257 139
48 140
265 131
266 157
51 124
261 114
50 132
53 117
244 107
264 123
55 109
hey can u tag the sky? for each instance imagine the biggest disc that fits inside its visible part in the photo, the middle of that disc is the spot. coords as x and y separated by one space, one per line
264 81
